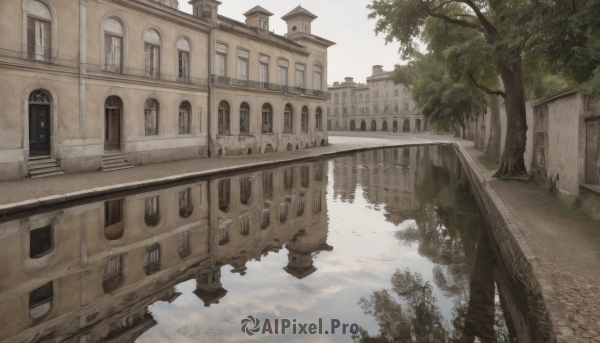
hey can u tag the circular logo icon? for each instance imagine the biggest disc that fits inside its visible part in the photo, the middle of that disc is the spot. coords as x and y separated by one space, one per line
250 325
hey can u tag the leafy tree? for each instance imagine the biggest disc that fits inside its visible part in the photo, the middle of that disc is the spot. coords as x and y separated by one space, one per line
478 39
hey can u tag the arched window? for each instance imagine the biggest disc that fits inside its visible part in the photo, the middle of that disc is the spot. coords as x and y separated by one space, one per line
319 119
304 120
39 35
113 45
183 56
352 125
224 118
151 117
152 47
267 119
40 301
373 125
384 126
184 117
406 126
288 119
244 118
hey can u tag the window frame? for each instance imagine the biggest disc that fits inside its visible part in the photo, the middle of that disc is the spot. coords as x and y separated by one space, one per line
224 118
147 112
189 117
288 118
267 118
244 106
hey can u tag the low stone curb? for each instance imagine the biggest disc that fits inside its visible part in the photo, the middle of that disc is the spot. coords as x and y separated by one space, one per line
56 199
560 327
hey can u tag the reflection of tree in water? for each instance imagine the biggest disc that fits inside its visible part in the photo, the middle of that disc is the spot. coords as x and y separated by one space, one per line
420 317
448 232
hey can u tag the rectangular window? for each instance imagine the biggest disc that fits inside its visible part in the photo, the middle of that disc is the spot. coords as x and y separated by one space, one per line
288 178
113 267
38 40
300 205
224 195
300 72
318 173
183 243
263 24
113 212
184 65
304 177
113 47
223 234
153 256
245 189
282 78
317 79
263 75
221 64
242 69
267 184
283 211
152 60
317 201
244 225
40 241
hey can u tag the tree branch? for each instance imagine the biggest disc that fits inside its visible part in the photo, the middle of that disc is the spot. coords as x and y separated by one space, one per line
443 4
460 22
485 89
491 30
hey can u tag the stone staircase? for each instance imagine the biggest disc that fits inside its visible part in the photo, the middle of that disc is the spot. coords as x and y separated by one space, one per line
114 161
43 166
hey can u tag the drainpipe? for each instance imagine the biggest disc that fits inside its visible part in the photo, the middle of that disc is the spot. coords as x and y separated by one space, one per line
211 91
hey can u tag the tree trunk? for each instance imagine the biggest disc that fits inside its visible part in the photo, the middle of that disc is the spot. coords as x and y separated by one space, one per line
512 161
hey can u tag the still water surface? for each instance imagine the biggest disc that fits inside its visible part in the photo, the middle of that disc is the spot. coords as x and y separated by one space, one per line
390 240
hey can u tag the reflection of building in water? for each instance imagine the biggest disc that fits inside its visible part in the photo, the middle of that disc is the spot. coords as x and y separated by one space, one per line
91 271
388 177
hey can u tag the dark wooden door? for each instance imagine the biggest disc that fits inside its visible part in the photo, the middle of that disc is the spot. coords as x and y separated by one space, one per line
592 152
39 130
113 129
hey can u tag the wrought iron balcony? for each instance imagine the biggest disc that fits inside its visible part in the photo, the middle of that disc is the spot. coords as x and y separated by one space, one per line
39 54
151 74
223 80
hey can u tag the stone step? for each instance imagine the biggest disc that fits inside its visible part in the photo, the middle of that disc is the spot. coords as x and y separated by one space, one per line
110 159
44 161
113 154
34 158
44 170
42 165
59 172
103 169
115 164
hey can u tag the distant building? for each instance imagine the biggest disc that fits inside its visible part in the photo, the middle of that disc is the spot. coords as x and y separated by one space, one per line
378 105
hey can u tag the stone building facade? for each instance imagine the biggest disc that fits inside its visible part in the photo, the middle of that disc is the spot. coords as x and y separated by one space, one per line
378 105
89 273
112 84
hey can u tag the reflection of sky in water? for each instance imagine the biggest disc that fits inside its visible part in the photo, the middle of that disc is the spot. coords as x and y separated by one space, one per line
364 257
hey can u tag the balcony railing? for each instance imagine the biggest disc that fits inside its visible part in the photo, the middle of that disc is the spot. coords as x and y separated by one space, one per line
223 80
39 54
119 70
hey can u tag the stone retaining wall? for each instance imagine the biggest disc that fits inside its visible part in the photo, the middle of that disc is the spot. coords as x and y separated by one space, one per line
537 314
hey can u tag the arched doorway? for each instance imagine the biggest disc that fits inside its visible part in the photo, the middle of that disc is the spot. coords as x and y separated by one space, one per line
363 126
352 125
406 126
329 125
384 126
418 125
373 125
112 123
395 126
290 147
39 124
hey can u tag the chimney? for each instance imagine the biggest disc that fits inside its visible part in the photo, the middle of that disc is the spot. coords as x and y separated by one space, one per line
377 69
349 79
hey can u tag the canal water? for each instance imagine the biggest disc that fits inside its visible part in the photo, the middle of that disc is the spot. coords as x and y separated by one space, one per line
378 246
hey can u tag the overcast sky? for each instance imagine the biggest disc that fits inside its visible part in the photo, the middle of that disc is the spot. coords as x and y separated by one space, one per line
341 21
